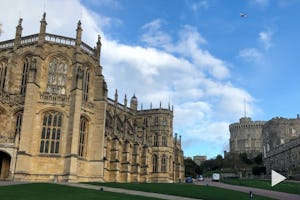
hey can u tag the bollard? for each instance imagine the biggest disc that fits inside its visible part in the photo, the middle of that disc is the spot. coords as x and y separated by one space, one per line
101 189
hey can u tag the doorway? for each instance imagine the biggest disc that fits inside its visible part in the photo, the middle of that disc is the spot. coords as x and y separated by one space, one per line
4 165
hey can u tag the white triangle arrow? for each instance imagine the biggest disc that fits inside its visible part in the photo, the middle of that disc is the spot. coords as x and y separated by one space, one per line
276 178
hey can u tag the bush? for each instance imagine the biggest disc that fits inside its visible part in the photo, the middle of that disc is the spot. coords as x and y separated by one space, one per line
258 170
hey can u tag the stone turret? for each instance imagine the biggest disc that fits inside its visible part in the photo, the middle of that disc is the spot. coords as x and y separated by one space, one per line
133 102
19 29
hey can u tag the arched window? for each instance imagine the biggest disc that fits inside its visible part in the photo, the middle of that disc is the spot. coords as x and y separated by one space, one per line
164 164
85 85
18 118
25 72
51 131
164 141
154 163
3 70
156 121
84 125
57 76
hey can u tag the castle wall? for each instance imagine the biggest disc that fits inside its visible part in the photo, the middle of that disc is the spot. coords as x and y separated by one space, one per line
281 146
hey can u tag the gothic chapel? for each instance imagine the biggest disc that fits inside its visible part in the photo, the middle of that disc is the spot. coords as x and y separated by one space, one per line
57 123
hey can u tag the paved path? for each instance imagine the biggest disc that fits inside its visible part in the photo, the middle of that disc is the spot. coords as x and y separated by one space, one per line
256 191
131 192
4 183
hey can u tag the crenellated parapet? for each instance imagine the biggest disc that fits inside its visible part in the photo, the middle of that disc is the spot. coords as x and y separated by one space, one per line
246 122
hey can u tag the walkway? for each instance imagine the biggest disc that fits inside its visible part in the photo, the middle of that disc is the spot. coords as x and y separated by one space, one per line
256 191
131 192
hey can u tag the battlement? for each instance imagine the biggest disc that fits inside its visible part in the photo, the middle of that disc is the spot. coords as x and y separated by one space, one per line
245 123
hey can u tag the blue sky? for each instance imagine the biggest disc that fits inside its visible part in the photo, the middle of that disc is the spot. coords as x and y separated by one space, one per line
199 55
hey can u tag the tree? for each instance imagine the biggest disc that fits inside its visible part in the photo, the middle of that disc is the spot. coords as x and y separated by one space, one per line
191 168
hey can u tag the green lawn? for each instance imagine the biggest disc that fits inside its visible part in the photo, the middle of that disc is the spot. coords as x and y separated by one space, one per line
289 187
46 191
186 190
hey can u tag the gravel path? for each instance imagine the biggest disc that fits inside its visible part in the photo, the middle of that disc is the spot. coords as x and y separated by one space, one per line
131 192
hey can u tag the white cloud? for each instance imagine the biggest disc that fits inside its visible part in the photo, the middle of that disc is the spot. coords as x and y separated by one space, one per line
197 5
265 38
181 72
153 36
251 54
189 46
262 3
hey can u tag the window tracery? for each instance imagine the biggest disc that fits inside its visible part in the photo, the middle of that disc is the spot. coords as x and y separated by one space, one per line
51 133
57 76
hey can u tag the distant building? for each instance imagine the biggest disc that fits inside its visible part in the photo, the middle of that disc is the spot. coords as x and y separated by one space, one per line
245 137
199 159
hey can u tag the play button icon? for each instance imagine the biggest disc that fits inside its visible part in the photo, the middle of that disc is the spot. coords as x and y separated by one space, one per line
276 178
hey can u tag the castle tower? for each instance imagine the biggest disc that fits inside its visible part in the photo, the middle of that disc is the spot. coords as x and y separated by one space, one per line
245 137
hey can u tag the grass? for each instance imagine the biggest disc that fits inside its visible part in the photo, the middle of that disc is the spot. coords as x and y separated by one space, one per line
47 191
185 190
288 187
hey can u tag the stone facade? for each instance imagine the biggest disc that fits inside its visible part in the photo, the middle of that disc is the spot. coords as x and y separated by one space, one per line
57 123
199 159
246 137
281 146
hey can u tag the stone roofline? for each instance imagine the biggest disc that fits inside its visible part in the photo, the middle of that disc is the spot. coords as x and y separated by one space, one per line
141 111
43 37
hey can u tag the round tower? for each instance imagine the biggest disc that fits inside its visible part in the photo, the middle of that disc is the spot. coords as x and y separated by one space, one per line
245 136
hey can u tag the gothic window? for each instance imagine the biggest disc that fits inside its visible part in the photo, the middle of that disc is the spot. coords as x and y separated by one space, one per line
164 141
3 70
156 121
164 122
164 164
25 73
18 118
57 76
83 136
146 121
51 131
155 140
135 149
85 85
154 163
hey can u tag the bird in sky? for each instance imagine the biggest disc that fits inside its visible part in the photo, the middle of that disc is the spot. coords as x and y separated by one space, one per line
243 15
